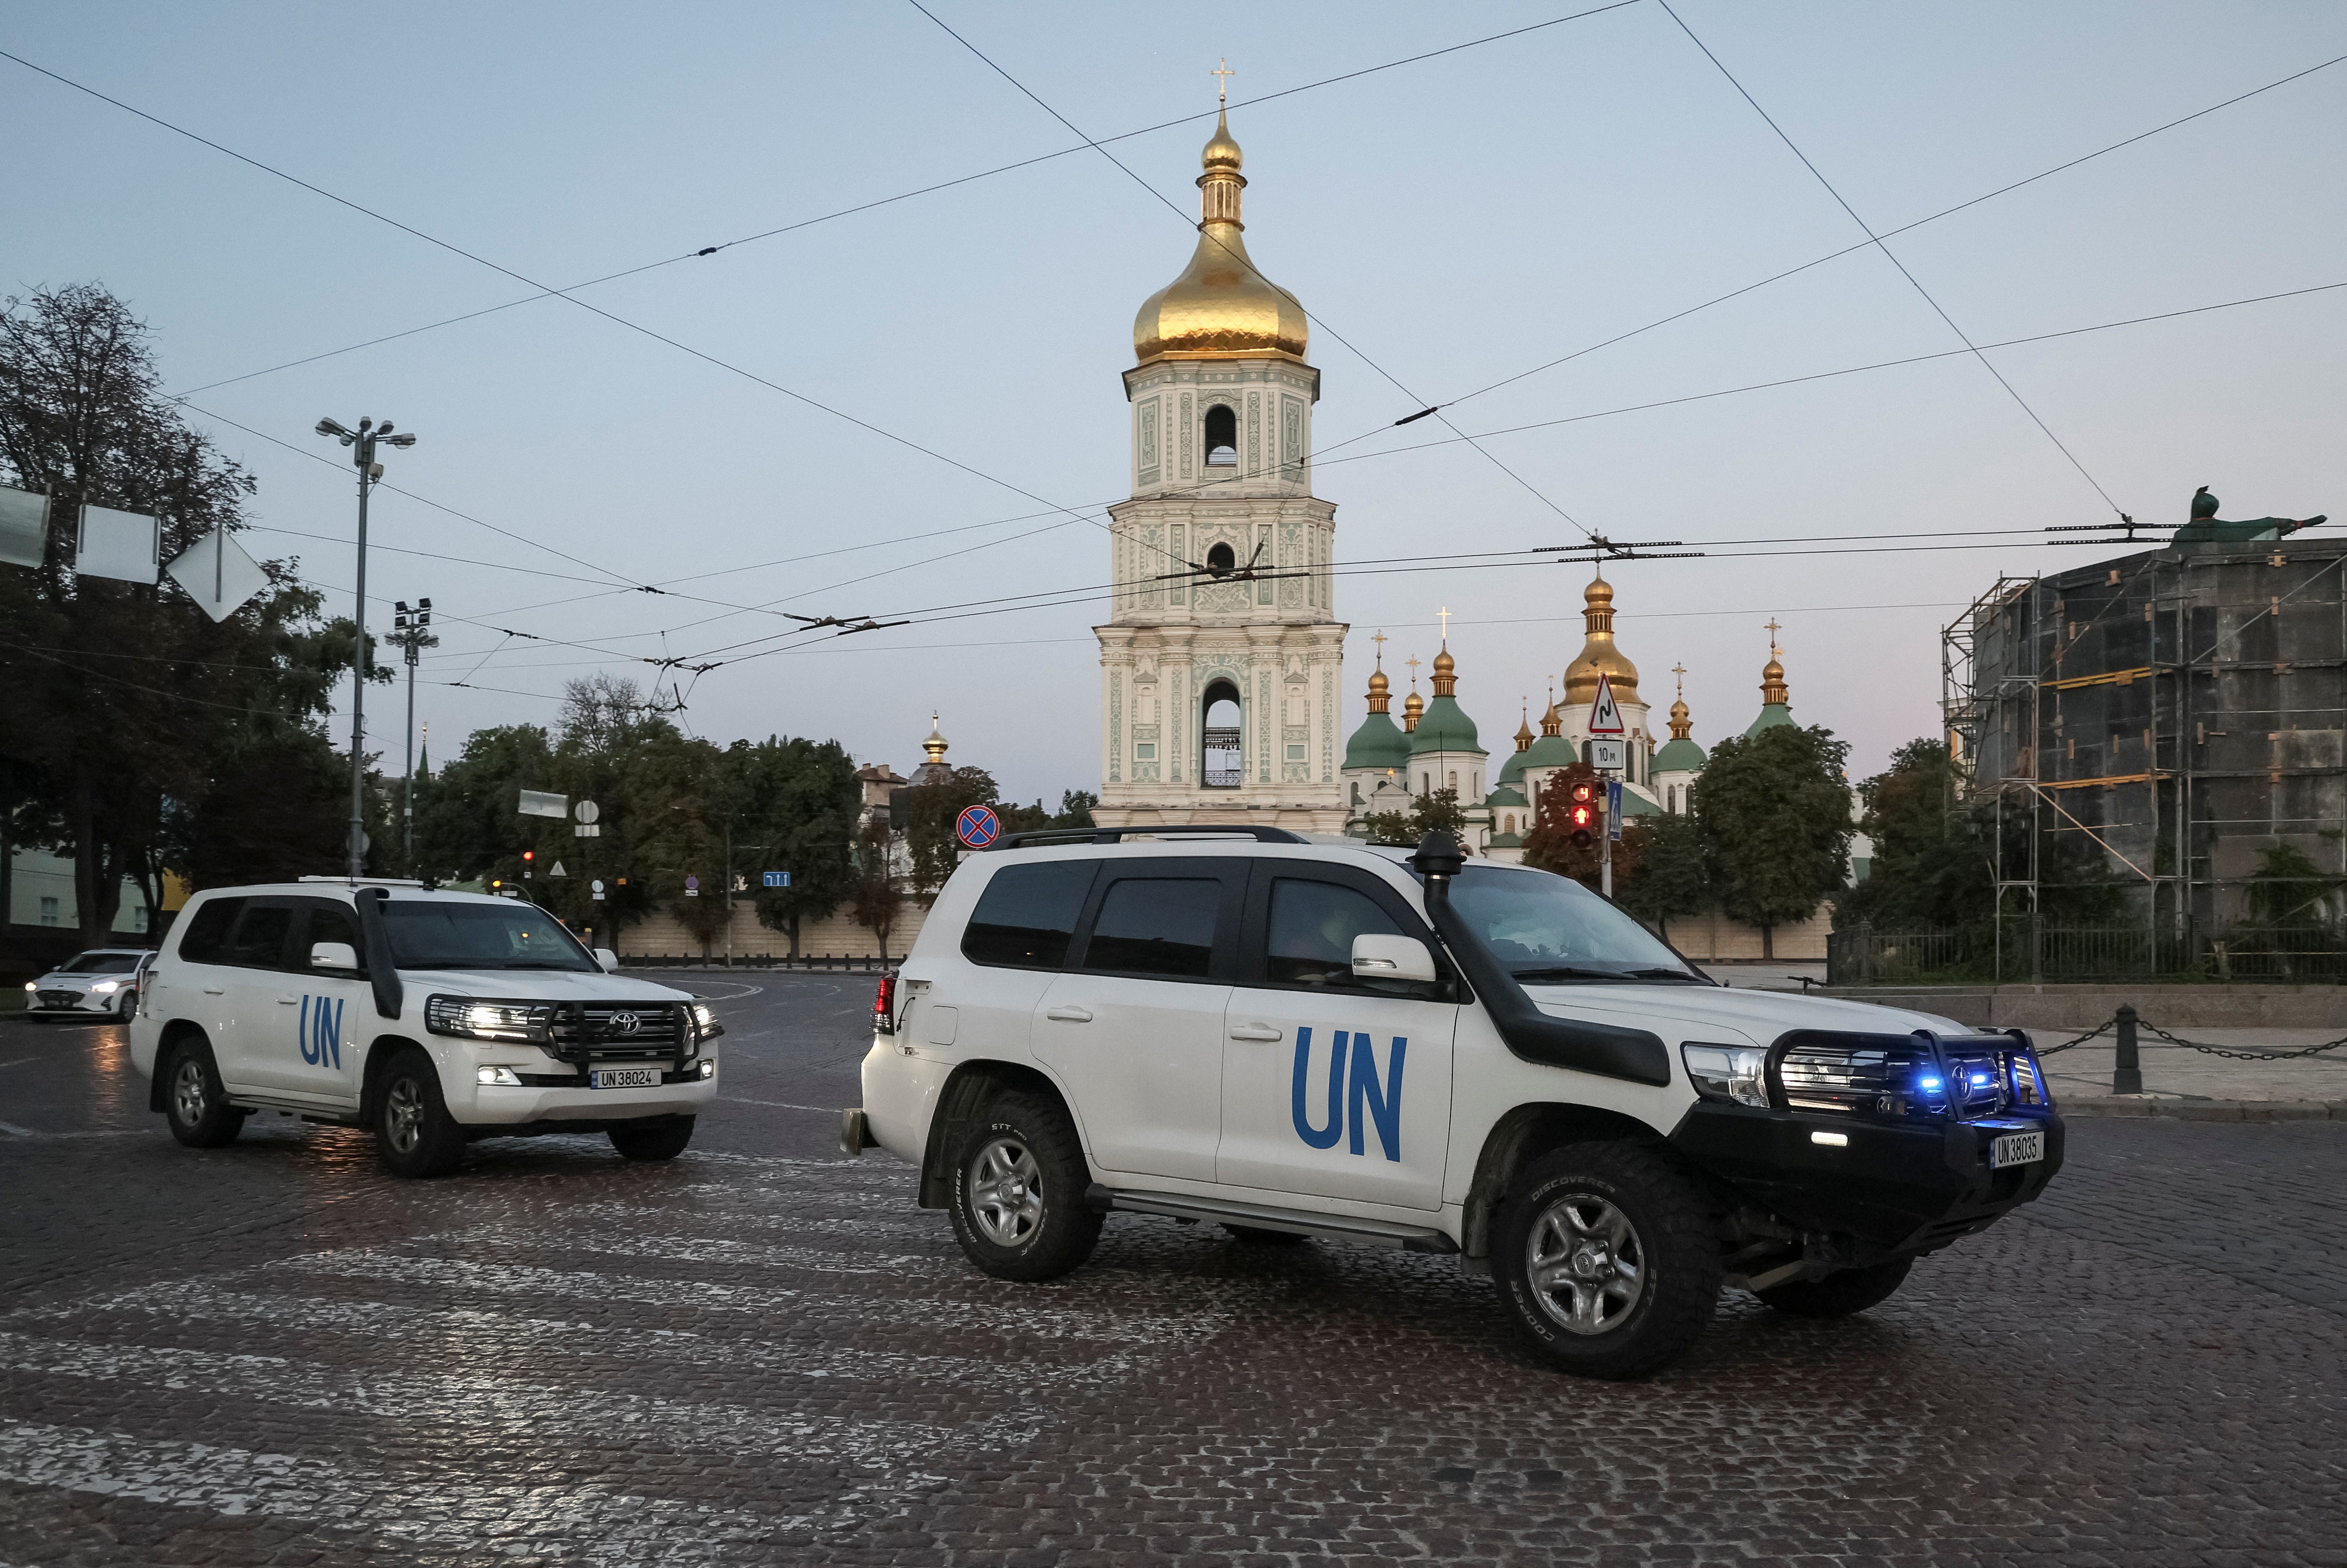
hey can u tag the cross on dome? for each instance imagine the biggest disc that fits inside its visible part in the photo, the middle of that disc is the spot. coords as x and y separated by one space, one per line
1223 87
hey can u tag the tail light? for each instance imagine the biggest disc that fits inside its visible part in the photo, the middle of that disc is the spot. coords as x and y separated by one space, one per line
884 1005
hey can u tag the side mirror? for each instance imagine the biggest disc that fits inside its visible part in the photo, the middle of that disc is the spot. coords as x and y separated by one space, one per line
608 959
333 956
1383 957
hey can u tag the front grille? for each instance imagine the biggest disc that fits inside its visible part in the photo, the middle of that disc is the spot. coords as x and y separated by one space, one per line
56 998
600 1032
1899 1076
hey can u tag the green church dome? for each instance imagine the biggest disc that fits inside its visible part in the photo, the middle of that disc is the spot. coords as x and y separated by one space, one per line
1679 756
1378 744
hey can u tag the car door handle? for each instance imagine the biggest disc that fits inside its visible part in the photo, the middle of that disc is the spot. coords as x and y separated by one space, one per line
1070 1015
287 1002
215 990
1262 1031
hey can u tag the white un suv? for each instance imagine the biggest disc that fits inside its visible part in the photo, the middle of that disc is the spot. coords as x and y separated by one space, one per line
1296 1039
431 1018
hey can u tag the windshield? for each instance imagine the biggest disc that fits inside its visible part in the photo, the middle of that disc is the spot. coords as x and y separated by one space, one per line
1551 930
503 936
102 964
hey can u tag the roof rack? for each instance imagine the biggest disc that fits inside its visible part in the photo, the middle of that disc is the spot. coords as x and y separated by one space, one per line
366 881
1040 837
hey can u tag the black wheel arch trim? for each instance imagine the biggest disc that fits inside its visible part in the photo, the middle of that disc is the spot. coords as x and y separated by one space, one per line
973 1083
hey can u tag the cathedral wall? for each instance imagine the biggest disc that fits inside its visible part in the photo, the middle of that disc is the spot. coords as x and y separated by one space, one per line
1712 937
836 936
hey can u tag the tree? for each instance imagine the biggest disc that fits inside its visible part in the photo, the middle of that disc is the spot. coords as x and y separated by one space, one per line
125 699
798 801
930 810
1931 867
1674 873
1435 812
874 898
1549 845
1776 817
1075 811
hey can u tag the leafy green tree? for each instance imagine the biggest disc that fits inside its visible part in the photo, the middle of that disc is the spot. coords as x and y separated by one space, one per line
2289 891
128 702
1777 820
1549 845
798 802
930 810
1674 873
1931 868
1435 812
874 898
1075 811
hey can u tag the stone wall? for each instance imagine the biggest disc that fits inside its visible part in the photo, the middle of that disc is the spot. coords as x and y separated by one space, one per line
1713 938
659 937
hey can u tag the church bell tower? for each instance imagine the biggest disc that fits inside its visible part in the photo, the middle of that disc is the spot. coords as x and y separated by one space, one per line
1223 659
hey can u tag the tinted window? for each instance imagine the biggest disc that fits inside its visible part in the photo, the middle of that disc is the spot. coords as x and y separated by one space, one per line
207 929
506 935
1311 931
260 939
332 923
1156 926
1027 914
102 964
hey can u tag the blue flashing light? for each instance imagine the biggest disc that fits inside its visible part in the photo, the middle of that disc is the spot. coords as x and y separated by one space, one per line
1930 1083
1980 1077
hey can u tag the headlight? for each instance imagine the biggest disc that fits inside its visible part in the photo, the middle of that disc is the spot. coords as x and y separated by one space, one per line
1728 1072
475 1020
704 1021
107 988
32 985
502 1077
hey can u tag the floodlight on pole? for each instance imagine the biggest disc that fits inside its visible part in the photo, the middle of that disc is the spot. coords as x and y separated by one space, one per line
362 443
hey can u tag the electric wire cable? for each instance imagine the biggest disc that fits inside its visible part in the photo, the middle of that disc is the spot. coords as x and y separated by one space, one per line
1894 258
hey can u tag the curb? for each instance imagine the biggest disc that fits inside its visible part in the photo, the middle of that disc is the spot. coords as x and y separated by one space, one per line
2207 1109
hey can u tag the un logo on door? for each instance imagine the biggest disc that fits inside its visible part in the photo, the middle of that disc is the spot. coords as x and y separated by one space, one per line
1356 1100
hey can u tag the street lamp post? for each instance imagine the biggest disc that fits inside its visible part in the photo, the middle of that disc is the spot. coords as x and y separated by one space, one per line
413 631
362 443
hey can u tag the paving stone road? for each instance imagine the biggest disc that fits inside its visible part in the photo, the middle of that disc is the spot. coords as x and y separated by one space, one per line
762 1353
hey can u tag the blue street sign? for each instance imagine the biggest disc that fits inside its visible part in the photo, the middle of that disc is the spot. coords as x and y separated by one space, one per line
1613 810
778 879
976 827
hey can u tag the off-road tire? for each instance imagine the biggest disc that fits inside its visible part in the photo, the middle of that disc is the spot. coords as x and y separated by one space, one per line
1024 1137
414 1133
195 1102
1669 1233
663 1138
1256 1237
1840 1294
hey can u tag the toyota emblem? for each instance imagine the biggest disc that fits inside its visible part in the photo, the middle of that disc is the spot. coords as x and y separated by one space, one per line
625 1023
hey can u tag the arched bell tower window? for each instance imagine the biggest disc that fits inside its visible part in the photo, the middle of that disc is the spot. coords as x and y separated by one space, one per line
1223 763
1222 436
1221 561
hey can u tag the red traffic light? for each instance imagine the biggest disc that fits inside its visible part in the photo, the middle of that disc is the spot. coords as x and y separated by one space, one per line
1585 791
529 855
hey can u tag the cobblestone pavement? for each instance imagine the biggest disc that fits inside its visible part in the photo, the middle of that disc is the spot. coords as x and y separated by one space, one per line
762 1353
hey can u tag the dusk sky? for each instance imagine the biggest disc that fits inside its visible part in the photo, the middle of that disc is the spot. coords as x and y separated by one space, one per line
1457 220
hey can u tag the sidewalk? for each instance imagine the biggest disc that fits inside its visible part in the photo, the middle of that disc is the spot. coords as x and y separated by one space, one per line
2183 1082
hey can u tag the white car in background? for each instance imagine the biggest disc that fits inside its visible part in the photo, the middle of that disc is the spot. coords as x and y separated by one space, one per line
429 1018
102 983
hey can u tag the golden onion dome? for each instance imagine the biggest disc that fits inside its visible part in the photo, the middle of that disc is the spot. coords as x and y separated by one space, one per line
1413 709
1598 655
1378 682
1524 734
1772 682
1221 306
1446 673
1682 725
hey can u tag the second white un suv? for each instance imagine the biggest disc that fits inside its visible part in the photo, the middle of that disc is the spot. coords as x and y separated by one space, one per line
431 1018
1294 1038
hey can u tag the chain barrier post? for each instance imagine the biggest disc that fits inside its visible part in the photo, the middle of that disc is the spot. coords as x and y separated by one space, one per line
2127 1077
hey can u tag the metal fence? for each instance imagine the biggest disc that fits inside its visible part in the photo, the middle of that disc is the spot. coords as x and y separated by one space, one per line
2032 952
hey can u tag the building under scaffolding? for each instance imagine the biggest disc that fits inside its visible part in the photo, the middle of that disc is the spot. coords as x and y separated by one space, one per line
2168 718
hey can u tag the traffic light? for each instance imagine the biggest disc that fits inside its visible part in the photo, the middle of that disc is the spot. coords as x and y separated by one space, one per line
527 856
1584 815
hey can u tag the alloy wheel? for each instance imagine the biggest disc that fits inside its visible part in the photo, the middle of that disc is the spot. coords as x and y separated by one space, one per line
403 1117
1585 1263
1006 1195
188 1094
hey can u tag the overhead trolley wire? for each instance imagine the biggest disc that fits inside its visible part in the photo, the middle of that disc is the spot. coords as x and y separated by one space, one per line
878 201
1890 255
1242 261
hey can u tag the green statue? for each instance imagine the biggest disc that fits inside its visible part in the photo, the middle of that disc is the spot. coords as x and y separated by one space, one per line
2206 528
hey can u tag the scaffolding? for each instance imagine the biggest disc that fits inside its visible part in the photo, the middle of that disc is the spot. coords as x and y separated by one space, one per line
2162 719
